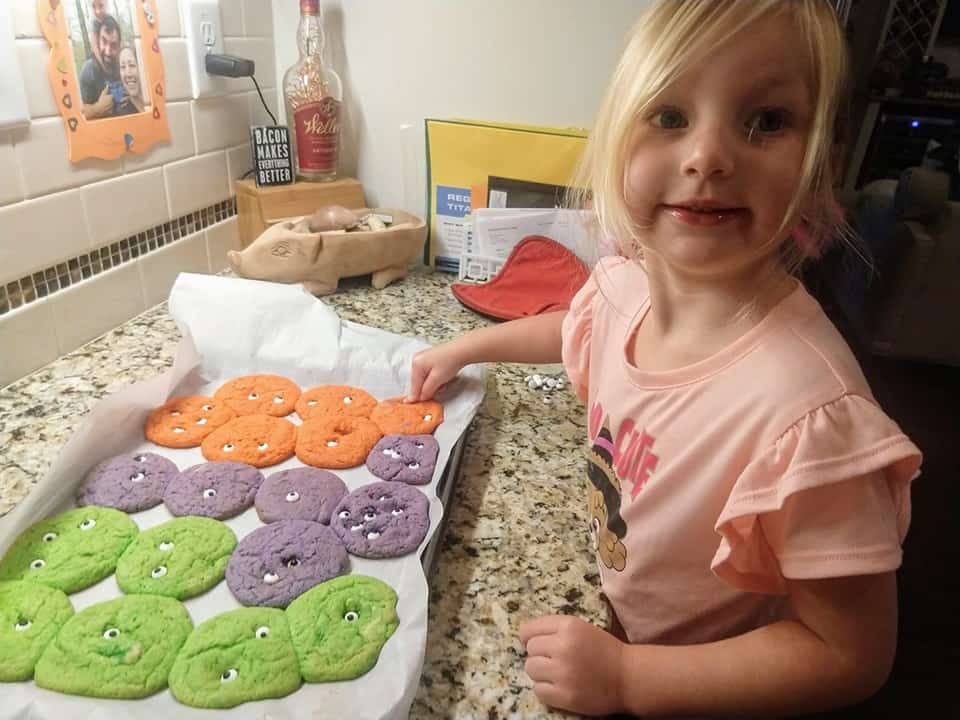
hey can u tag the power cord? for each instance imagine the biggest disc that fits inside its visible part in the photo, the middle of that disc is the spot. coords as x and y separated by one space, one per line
233 66
265 106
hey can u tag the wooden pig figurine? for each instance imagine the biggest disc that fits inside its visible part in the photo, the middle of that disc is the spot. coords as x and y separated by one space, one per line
289 252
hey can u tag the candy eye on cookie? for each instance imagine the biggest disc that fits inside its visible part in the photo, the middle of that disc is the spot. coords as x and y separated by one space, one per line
272 395
229 675
22 625
111 634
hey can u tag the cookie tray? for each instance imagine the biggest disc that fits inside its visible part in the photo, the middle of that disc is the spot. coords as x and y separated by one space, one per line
233 327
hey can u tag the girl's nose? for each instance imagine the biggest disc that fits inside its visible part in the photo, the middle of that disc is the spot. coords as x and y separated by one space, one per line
708 153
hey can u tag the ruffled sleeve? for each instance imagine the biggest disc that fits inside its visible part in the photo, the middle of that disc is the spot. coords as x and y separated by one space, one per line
829 498
576 333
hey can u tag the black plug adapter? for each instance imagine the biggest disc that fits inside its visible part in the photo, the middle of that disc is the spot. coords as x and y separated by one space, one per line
229 66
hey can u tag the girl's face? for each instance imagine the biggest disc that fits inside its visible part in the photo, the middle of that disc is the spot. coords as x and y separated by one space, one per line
715 160
130 72
99 9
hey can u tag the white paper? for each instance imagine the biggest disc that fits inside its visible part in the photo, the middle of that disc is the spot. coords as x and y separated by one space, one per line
496 231
235 327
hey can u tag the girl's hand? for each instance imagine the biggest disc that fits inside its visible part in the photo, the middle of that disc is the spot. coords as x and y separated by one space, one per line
430 370
574 665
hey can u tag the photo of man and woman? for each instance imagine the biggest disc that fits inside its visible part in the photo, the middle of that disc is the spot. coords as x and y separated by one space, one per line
102 33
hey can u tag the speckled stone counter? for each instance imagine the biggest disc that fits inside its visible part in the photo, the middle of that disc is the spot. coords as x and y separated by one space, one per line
516 545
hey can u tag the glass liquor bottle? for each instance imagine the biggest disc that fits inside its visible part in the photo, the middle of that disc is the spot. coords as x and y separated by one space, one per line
312 93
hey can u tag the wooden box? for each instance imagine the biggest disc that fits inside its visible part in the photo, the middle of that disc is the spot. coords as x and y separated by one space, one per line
260 207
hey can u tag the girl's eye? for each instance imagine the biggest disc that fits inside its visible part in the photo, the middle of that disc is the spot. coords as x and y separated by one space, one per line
767 121
669 120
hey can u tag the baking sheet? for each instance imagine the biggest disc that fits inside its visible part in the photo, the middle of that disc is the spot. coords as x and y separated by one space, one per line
237 327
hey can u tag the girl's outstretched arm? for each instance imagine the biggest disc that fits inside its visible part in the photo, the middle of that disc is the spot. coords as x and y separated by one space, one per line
534 339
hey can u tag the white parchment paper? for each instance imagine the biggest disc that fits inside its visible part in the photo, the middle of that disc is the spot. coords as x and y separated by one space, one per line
235 327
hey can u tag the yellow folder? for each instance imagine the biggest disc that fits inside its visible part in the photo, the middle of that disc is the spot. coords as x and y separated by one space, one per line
462 155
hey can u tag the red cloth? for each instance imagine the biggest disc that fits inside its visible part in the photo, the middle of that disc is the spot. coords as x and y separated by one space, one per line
540 276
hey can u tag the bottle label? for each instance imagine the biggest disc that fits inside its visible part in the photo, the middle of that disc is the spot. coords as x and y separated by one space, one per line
318 129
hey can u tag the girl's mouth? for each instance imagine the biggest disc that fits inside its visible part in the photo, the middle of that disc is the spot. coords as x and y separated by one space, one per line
705 216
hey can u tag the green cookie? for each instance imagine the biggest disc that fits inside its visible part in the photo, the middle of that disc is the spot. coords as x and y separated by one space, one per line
340 625
180 558
30 616
71 551
121 648
236 657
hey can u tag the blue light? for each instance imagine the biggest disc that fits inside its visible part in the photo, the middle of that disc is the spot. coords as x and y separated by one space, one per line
914 123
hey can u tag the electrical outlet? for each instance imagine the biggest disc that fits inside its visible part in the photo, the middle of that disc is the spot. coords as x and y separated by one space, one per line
13 108
204 31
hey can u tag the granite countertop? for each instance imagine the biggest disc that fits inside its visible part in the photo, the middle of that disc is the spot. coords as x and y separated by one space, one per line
516 545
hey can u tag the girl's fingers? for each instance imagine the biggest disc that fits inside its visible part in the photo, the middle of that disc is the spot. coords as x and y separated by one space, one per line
539 669
546 625
541 645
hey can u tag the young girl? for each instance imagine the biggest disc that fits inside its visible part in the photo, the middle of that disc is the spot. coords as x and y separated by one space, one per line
748 496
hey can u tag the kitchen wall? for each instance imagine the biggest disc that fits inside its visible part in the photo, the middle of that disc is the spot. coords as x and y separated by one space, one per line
544 62
85 247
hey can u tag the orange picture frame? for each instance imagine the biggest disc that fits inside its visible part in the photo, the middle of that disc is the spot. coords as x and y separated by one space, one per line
107 138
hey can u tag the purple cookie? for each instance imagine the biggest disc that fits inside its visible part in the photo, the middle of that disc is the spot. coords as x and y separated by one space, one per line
274 564
381 520
404 458
128 482
299 494
217 490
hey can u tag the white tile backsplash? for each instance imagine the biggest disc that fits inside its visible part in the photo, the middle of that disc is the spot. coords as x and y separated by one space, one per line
176 68
181 144
124 206
169 14
52 211
159 269
29 340
258 18
258 116
11 186
221 121
34 54
196 183
41 150
260 50
26 22
231 17
87 310
239 161
41 232
221 238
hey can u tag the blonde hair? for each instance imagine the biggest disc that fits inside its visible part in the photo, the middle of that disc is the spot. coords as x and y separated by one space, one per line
662 45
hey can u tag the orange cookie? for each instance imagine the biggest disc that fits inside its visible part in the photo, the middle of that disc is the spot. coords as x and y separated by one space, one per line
260 395
258 440
399 418
327 400
185 421
340 441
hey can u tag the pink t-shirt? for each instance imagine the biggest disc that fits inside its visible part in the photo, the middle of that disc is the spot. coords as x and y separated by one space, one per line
710 484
